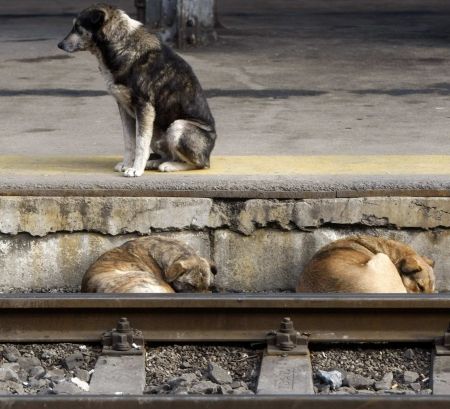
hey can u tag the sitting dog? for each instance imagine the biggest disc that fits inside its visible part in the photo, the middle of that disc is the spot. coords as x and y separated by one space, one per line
367 264
161 102
149 265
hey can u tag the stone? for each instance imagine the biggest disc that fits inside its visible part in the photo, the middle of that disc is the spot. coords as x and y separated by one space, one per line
332 378
183 379
11 353
66 388
410 376
15 386
180 390
37 372
38 383
56 374
242 391
409 353
73 361
47 354
385 383
8 375
218 375
14 366
84 386
357 381
82 374
26 363
225 389
203 388
238 384
415 386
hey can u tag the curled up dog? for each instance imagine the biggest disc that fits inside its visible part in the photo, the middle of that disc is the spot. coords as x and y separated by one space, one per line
367 264
161 103
150 265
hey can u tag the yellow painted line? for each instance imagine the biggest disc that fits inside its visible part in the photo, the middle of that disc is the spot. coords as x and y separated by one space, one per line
243 165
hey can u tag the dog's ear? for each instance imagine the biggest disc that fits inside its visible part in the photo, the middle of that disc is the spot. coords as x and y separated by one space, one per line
429 261
213 268
97 17
93 19
175 271
409 265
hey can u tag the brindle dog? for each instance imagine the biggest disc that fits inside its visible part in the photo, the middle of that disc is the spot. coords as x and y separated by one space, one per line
161 102
150 265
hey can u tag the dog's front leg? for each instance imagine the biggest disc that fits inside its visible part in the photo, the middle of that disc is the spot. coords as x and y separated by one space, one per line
129 138
145 116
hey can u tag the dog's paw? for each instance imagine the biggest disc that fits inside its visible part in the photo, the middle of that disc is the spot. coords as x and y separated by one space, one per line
132 173
153 164
121 167
175 166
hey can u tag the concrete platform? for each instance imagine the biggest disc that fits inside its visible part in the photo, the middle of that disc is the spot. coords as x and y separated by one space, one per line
278 177
315 77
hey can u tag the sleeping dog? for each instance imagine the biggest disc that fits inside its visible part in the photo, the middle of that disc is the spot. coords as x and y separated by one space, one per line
367 264
149 265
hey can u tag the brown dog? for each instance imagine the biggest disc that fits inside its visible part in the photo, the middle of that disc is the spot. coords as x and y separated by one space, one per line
367 264
149 265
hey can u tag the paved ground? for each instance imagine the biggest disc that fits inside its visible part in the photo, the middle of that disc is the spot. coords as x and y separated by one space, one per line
286 78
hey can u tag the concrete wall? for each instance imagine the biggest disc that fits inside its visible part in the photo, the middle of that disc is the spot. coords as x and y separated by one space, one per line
258 245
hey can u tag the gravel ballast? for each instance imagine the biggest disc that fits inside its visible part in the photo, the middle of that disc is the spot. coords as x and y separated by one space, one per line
46 368
372 369
197 369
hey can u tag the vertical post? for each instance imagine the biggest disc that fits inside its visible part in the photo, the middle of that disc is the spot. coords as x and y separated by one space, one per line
182 21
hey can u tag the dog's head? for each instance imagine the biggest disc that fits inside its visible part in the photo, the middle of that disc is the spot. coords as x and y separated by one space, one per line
193 274
417 274
86 27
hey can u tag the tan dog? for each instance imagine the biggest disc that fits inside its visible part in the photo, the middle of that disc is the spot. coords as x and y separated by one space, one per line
149 265
367 264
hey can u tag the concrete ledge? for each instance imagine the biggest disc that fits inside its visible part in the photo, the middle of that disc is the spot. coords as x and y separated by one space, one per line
40 216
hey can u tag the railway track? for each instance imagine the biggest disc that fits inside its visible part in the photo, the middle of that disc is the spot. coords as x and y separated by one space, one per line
225 318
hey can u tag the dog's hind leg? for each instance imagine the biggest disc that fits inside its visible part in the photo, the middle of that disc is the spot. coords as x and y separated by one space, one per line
145 117
160 149
129 138
190 144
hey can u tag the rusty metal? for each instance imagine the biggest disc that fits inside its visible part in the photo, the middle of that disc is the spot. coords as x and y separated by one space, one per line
226 402
123 340
225 317
287 340
140 10
442 345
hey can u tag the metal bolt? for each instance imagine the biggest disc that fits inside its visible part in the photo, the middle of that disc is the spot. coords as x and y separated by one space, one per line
123 325
286 325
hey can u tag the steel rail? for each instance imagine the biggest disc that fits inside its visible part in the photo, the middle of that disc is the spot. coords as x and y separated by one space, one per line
225 317
227 402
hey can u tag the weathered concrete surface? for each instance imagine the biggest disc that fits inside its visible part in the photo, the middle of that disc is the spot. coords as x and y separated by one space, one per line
123 375
400 212
39 216
60 259
272 259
